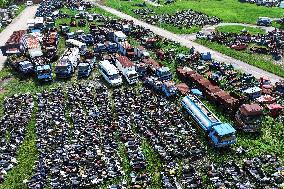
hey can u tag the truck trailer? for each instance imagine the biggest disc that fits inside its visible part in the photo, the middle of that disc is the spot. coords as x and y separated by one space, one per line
219 134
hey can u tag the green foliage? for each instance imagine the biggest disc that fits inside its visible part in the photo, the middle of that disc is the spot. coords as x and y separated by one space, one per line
277 25
154 164
4 3
177 30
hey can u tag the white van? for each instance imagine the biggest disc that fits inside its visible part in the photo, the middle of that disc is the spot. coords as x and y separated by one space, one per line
110 73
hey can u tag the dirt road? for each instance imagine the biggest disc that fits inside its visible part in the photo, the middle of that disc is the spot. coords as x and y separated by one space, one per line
188 43
19 23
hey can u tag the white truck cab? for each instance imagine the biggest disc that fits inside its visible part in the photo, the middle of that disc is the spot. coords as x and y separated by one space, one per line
119 36
127 68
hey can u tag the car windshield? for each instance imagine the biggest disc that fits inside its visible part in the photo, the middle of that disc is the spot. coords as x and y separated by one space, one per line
165 73
133 76
228 137
252 119
26 65
62 68
44 71
113 77
83 68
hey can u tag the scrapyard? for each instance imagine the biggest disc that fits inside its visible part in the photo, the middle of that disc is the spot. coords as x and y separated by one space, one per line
91 100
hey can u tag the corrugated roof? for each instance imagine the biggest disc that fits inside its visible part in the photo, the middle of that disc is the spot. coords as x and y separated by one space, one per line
151 62
16 37
251 109
125 61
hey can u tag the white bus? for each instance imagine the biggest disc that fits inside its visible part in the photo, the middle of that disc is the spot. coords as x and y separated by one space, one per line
110 73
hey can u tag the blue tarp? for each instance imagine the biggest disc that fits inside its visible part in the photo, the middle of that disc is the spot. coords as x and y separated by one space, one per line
196 92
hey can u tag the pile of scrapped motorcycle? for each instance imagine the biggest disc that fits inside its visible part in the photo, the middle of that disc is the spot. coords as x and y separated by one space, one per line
271 43
271 3
17 114
124 104
79 130
250 174
49 9
181 19
159 121
80 154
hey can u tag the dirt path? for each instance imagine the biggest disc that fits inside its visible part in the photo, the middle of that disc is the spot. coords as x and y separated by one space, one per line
19 23
189 43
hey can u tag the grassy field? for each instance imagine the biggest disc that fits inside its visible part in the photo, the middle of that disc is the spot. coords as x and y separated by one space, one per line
238 29
227 10
253 59
269 141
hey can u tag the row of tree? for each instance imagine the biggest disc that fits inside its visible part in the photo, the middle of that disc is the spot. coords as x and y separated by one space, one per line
4 3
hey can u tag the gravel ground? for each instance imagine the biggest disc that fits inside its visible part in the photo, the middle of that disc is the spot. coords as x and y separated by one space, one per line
186 41
19 23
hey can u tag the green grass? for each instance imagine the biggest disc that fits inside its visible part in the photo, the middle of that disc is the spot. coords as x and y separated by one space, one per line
250 58
277 25
238 29
227 10
153 164
177 30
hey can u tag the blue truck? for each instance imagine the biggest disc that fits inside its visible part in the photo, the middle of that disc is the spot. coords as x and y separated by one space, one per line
163 73
44 72
220 134
85 68
206 56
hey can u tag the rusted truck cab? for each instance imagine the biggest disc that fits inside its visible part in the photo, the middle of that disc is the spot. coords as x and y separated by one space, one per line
249 117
